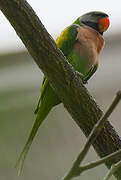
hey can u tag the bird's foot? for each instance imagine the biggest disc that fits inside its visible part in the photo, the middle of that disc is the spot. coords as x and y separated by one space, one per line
81 76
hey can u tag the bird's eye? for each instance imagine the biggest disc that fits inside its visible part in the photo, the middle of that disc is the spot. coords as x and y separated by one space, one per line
103 24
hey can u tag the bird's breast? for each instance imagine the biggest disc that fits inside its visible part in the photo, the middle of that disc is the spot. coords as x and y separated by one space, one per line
88 45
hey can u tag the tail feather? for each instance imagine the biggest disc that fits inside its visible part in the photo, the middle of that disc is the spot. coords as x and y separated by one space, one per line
41 115
48 99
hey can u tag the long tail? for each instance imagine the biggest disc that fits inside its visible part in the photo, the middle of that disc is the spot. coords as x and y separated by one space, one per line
41 115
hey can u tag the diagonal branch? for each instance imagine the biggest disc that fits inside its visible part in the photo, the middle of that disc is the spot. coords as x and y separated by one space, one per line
61 75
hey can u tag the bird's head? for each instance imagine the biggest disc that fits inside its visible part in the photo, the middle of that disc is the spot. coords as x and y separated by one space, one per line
96 20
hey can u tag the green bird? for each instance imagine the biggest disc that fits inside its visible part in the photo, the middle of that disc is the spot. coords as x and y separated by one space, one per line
81 43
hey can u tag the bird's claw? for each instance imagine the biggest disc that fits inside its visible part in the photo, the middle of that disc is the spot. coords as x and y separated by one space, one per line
84 81
82 77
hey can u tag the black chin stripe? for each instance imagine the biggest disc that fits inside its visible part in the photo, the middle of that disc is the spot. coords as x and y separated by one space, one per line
101 33
92 25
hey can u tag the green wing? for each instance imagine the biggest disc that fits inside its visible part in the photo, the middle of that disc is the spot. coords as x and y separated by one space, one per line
65 43
67 39
42 92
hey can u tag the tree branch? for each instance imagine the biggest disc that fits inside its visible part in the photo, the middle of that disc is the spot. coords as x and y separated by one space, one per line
76 170
61 75
112 170
101 161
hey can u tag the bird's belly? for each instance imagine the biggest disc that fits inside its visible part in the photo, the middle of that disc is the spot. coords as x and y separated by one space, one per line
83 56
81 62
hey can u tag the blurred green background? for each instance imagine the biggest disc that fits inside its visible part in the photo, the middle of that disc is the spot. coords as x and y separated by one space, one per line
59 140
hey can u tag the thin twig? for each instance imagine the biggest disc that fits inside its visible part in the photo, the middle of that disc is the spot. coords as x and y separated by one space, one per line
112 170
75 170
101 161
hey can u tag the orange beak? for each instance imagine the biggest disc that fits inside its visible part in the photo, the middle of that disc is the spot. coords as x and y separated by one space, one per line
103 24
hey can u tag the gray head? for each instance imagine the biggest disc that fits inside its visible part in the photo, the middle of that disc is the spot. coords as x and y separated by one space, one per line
96 20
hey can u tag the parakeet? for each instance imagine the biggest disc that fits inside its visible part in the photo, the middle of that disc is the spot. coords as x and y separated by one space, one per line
81 43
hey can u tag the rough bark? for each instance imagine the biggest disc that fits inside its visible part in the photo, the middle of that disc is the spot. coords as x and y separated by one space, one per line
61 75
